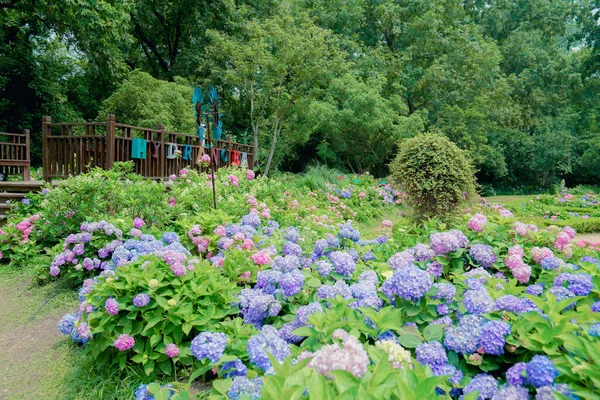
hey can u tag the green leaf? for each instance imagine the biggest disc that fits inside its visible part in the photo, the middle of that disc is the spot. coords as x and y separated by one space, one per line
409 341
313 282
433 332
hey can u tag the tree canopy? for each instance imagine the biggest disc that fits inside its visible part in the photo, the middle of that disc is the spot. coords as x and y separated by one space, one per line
514 83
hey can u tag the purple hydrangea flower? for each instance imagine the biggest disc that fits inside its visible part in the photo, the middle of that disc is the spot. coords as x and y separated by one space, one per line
267 341
541 371
347 231
141 300
483 255
448 369
408 283
340 288
257 305
431 354
402 259
171 350
209 345
324 268
535 289
445 291
444 242
579 284
137 223
112 306
436 269
170 237
422 252
442 309
595 307
251 219
594 330
561 293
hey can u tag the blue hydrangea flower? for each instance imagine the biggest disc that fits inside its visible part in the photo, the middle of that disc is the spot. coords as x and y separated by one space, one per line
257 305
340 288
594 330
445 291
242 386
342 262
267 340
595 307
478 301
67 323
402 259
432 353
251 219
292 249
551 263
492 337
579 284
233 368
291 234
324 267
515 374
485 384
464 338
209 345
170 237
347 231
141 300
561 293
511 393
409 283
541 371
448 369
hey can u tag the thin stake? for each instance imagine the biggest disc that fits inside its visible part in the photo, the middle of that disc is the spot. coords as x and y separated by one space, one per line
212 162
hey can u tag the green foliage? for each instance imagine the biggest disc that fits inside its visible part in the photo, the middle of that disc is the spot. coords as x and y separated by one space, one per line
436 174
180 308
144 101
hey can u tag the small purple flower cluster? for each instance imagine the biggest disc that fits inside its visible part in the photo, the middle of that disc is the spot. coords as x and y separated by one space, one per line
267 341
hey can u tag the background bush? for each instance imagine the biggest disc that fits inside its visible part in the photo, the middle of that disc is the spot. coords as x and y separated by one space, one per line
436 174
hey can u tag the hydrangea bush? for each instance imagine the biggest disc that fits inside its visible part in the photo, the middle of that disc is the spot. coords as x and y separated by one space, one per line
489 311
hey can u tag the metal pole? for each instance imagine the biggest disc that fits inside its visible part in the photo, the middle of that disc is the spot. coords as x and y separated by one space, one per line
212 161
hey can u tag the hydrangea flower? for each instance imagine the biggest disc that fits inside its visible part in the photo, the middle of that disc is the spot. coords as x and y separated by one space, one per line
397 355
124 342
478 222
515 374
431 354
492 337
141 300
551 262
540 371
352 357
485 384
231 369
478 301
579 284
511 393
171 350
409 283
257 305
67 323
267 340
242 386
209 345
342 262
112 306
402 259
483 255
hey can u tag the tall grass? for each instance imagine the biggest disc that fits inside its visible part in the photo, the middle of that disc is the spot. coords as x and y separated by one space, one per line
315 177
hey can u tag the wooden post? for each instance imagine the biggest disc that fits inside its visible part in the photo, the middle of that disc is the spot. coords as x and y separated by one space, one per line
26 171
110 140
46 120
161 151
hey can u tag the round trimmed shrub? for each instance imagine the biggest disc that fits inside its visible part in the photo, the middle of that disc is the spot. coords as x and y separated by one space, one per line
435 173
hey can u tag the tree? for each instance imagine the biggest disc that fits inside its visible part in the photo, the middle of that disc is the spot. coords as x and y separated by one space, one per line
275 66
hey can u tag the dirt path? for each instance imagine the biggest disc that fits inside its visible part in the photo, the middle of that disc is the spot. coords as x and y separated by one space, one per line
33 356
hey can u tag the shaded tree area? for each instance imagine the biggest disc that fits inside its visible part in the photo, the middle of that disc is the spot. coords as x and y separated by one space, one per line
513 82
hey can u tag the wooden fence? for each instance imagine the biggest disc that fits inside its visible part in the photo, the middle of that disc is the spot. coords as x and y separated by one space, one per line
72 148
14 154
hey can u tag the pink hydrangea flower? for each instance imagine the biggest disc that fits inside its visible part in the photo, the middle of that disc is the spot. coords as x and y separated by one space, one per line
522 273
245 275
220 231
172 201
361 195
506 213
138 223
171 350
112 306
234 180
178 268
570 232
205 159
539 253
248 244
562 241
135 233
478 222
261 257
386 223
250 174
516 250
124 342
252 201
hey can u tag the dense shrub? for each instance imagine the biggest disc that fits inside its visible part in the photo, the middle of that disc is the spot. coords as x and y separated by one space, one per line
435 173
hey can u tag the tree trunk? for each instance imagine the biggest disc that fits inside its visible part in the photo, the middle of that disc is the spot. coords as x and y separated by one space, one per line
272 150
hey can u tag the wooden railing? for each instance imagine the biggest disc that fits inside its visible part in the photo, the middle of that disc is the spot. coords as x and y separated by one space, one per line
70 148
14 154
